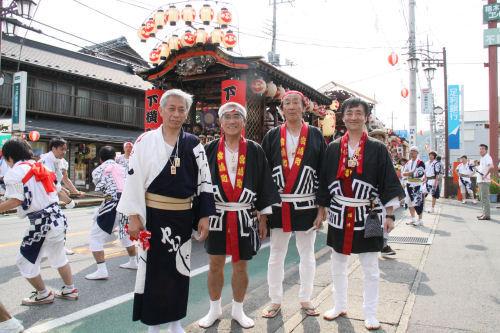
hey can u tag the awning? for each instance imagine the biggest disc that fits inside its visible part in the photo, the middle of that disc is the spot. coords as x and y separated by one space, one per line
75 131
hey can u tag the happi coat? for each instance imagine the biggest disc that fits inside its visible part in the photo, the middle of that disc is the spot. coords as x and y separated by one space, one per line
162 283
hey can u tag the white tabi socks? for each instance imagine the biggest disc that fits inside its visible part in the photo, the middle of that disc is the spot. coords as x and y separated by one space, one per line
175 327
154 329
213 315
240 316
131 264
100 274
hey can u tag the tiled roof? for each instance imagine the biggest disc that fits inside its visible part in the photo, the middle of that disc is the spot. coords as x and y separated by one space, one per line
76 131
74 63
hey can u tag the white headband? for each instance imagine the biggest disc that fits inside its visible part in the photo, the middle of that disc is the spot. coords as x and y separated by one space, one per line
232 106
415 148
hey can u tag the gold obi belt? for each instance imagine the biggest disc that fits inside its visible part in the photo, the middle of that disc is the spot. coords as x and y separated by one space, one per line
167 203
415 180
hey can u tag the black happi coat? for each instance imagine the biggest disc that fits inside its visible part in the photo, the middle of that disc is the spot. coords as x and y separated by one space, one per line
258 190
302 213
377 179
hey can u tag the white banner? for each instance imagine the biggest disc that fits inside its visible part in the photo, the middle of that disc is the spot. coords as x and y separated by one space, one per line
427 101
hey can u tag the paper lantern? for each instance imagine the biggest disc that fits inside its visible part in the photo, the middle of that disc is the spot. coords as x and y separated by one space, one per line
23 136
259 86
200 36
393 59
164 50
404 92
421 132
188 14
154 56
270 89
142 34
224 18
159 19
206 14
279 93
174 44
150 27
335 105
172 15
233 91
34 136
187 39
217 36
230 40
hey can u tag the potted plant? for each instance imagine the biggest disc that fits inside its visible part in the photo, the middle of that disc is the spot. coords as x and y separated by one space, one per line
494 189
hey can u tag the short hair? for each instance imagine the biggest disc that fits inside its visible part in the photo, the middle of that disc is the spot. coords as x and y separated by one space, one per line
463 156
179 93
56 142
353 102
484 145
107 153
438 158
17 149
434 154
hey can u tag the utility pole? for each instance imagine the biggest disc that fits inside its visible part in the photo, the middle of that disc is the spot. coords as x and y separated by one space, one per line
272 57
413 75
273 45
493 78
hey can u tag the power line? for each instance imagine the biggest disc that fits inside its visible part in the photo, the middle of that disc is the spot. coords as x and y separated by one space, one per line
104 14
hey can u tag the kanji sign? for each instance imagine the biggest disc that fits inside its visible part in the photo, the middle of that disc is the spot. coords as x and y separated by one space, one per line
19 101
427 101
152 118
453 117
491 37
491 12
233 91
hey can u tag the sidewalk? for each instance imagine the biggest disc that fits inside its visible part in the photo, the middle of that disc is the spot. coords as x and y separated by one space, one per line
407 301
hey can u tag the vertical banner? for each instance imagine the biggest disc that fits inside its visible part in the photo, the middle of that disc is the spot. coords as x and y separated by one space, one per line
427 101
413 136
152 118
453 117
20 81
233 91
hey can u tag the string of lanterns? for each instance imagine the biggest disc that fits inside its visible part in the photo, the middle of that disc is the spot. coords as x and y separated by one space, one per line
193 36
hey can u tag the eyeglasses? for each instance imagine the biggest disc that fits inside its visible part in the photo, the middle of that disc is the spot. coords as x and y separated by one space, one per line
236 116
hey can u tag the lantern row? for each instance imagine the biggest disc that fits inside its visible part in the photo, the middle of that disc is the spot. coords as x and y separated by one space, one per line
188 15
189 39
270 90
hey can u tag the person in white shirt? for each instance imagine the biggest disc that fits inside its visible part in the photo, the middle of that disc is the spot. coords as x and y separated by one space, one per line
3 171
465 171
483 171
30 187
432 172
123 158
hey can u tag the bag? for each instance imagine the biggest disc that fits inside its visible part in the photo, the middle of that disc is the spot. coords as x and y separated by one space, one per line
254 237
373 227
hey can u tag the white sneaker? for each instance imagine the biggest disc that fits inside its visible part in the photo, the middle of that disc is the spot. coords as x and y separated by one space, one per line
418 223
411 221
430 210
97 275
371 323
129 265
463 201
71 294
11 326
474 201
68 251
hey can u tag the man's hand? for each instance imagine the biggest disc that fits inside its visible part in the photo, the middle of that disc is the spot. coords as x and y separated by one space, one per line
262 227
320 217
203 229
79 194
134 226
389 225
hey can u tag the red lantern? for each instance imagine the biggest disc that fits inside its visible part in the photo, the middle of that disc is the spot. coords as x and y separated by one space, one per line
163 50
187 39
188 14
224 18
259 86
335 105
279 93
172 15
421 132
34 136
230 40
393 59
142 34
154 56
236 93
216 36
270 89
174 43
404 92
200 36
22 136
206 14
150 27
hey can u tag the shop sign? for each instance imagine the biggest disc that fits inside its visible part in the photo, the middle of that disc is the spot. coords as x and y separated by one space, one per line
152 118
19 101
453 117
491 12
80 174
427 101
233 91
491 37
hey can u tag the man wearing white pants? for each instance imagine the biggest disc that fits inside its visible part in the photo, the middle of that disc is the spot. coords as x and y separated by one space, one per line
360 187
294 152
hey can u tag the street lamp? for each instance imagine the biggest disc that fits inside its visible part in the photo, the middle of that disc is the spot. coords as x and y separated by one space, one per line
413 63
429 73
25 7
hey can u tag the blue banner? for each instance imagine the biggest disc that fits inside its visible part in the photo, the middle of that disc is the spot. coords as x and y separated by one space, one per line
454 117
401 133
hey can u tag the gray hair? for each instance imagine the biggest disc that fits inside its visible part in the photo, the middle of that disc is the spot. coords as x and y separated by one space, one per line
179 93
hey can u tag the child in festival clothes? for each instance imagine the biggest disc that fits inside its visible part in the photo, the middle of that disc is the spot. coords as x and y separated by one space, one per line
109 178
30 187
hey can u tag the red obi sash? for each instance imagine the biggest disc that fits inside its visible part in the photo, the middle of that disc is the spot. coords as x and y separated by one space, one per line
292 172
232 194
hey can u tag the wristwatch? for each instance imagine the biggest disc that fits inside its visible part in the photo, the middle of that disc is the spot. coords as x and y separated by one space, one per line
391 217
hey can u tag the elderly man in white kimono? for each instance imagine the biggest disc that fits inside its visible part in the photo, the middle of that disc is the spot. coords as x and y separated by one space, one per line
168 192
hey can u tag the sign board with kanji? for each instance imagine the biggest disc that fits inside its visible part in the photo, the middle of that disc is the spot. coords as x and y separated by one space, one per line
491 37
427 101
453 117
233 91
19 87
491 12
152 118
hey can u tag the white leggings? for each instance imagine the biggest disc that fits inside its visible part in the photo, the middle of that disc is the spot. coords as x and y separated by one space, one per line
369 263
98 236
